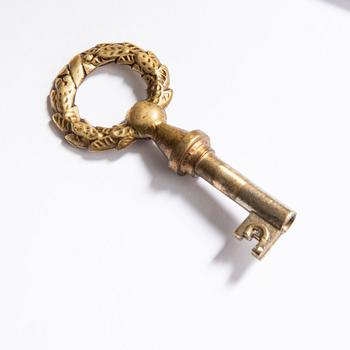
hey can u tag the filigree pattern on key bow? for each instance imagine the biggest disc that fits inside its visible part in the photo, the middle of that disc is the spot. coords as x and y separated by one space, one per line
78 131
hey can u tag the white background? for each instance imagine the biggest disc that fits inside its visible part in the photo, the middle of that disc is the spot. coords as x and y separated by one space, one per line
113 250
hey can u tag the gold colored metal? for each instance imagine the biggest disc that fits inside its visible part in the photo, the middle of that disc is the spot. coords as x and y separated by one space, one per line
187 152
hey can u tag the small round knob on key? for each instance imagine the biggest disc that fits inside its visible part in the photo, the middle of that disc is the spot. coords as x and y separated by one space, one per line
144 117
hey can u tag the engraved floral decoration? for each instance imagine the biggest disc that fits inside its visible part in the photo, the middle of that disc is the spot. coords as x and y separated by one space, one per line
78 131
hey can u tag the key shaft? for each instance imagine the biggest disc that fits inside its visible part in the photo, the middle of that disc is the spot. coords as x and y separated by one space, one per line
191 153
268 219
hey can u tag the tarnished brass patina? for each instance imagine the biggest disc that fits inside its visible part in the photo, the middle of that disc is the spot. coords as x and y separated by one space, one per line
187 152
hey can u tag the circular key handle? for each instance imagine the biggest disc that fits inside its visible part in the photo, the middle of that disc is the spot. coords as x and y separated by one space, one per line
142 117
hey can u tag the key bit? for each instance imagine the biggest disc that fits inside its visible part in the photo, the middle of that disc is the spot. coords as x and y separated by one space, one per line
187 152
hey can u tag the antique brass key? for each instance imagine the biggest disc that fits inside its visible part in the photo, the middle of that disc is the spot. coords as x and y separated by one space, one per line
187 152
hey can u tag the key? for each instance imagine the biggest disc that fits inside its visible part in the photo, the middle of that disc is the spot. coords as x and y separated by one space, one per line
186 152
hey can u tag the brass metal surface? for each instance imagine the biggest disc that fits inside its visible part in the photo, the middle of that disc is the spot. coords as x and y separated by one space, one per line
187 152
